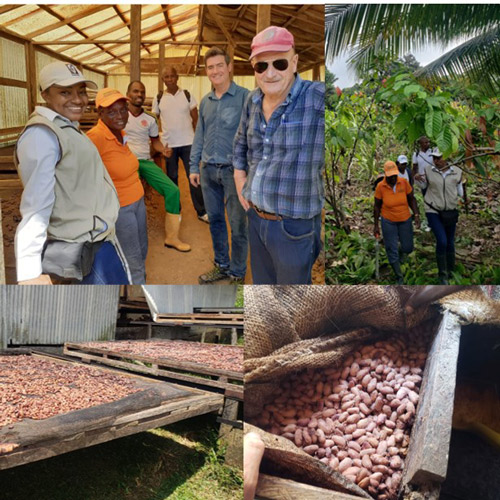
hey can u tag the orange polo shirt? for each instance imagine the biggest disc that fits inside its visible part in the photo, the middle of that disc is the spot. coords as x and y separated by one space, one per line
394 204
120 162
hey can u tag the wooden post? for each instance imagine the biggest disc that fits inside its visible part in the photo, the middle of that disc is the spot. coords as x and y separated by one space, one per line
263 17
230 53
161 64
31 76
135 42
316 72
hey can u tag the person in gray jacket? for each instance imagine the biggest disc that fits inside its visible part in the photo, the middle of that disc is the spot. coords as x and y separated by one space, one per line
443 185
69 205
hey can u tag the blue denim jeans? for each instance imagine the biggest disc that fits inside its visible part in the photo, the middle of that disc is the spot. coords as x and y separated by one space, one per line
283 252
396 233
183 153
445 236
107 268
132 233
219 191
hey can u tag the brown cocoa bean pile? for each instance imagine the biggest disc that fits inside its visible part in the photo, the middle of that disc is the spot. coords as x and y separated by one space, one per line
35 388
357 417
218 356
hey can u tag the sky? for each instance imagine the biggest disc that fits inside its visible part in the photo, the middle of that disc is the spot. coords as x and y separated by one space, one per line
424 56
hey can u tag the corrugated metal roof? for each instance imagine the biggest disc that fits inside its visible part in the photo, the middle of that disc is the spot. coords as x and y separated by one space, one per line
56 314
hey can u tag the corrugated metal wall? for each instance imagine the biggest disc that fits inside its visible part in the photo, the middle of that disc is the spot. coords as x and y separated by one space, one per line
184 298
56 314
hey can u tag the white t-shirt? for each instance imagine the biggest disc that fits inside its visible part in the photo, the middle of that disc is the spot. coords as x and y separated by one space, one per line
175 115
422 160
139 130
404 176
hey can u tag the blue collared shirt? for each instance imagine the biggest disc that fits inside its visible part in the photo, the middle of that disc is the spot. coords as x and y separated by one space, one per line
284 158
217 124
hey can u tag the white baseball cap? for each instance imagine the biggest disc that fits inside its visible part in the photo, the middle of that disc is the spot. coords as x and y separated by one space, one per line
62 73
402 159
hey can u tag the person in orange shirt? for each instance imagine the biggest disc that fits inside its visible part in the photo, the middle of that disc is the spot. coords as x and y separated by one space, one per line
393 199
123 167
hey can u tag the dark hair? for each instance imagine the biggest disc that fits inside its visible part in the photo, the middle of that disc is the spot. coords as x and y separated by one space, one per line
131 83
217 51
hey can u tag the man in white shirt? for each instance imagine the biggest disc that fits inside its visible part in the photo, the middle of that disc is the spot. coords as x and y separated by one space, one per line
178 113
421 159
402 163
142 132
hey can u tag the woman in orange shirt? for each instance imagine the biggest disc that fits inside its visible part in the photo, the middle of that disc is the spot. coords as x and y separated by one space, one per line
393 199
123 167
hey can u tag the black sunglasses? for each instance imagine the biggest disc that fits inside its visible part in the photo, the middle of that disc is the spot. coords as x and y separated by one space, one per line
279 64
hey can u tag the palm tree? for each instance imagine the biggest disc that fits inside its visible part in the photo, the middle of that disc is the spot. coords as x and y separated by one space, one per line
369 30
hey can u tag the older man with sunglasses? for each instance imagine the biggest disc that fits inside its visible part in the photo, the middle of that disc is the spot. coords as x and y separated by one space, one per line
278 160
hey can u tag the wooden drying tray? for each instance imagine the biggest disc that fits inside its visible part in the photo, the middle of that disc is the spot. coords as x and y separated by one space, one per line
210 319
159 403
188 372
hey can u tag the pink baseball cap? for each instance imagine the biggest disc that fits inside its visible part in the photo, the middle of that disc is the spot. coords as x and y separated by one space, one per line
272 39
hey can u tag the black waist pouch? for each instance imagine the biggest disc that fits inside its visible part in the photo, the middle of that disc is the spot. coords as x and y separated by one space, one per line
69 260
448 217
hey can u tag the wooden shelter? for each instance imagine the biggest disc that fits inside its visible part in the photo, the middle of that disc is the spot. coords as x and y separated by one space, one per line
133 41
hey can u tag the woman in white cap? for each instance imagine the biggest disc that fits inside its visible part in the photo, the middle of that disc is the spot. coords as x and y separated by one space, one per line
123 167
69 205
444 186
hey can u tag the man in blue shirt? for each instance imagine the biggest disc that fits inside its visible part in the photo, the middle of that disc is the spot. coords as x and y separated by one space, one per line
278 160
220 112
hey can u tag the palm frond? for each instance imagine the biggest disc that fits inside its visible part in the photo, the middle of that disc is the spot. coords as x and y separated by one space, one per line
477 59
402 28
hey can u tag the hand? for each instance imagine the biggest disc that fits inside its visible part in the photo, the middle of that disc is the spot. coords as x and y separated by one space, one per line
167 152
376 232
194 179
244 202
253 450
420 177
43 279
417 221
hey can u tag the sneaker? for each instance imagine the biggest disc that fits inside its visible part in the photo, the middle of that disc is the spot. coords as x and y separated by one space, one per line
215 274
204 218
236 280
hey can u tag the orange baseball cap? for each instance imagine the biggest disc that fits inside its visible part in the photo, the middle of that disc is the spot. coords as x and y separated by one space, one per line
390 168
107 96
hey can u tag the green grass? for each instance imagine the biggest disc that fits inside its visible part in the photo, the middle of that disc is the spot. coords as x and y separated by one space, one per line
182 461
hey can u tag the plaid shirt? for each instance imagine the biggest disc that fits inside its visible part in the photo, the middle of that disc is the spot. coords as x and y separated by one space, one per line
284 158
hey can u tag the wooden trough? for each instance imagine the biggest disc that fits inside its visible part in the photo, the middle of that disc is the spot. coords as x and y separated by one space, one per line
156 404
427 460
181 371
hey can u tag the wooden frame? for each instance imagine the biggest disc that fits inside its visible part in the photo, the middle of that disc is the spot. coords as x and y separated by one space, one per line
82 428
188 372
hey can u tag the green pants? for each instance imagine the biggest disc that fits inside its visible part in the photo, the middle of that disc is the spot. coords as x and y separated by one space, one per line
159 181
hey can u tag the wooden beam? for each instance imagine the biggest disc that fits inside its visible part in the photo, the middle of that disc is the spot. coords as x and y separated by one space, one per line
168 21
94 9
8 8
11 82
263 18
31 76
212 9
126 41
135 42
295 17
199 38
126 24
161 63
317 72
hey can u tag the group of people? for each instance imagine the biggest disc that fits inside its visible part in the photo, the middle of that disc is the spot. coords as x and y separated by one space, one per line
442 185
256 156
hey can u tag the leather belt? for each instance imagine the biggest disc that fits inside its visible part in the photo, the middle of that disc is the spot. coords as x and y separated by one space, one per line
265 215
220 165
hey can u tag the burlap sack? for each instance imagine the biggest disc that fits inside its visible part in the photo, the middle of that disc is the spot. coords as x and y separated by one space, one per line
289 328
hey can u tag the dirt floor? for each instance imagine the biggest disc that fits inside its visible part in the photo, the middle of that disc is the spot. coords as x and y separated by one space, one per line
163 265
